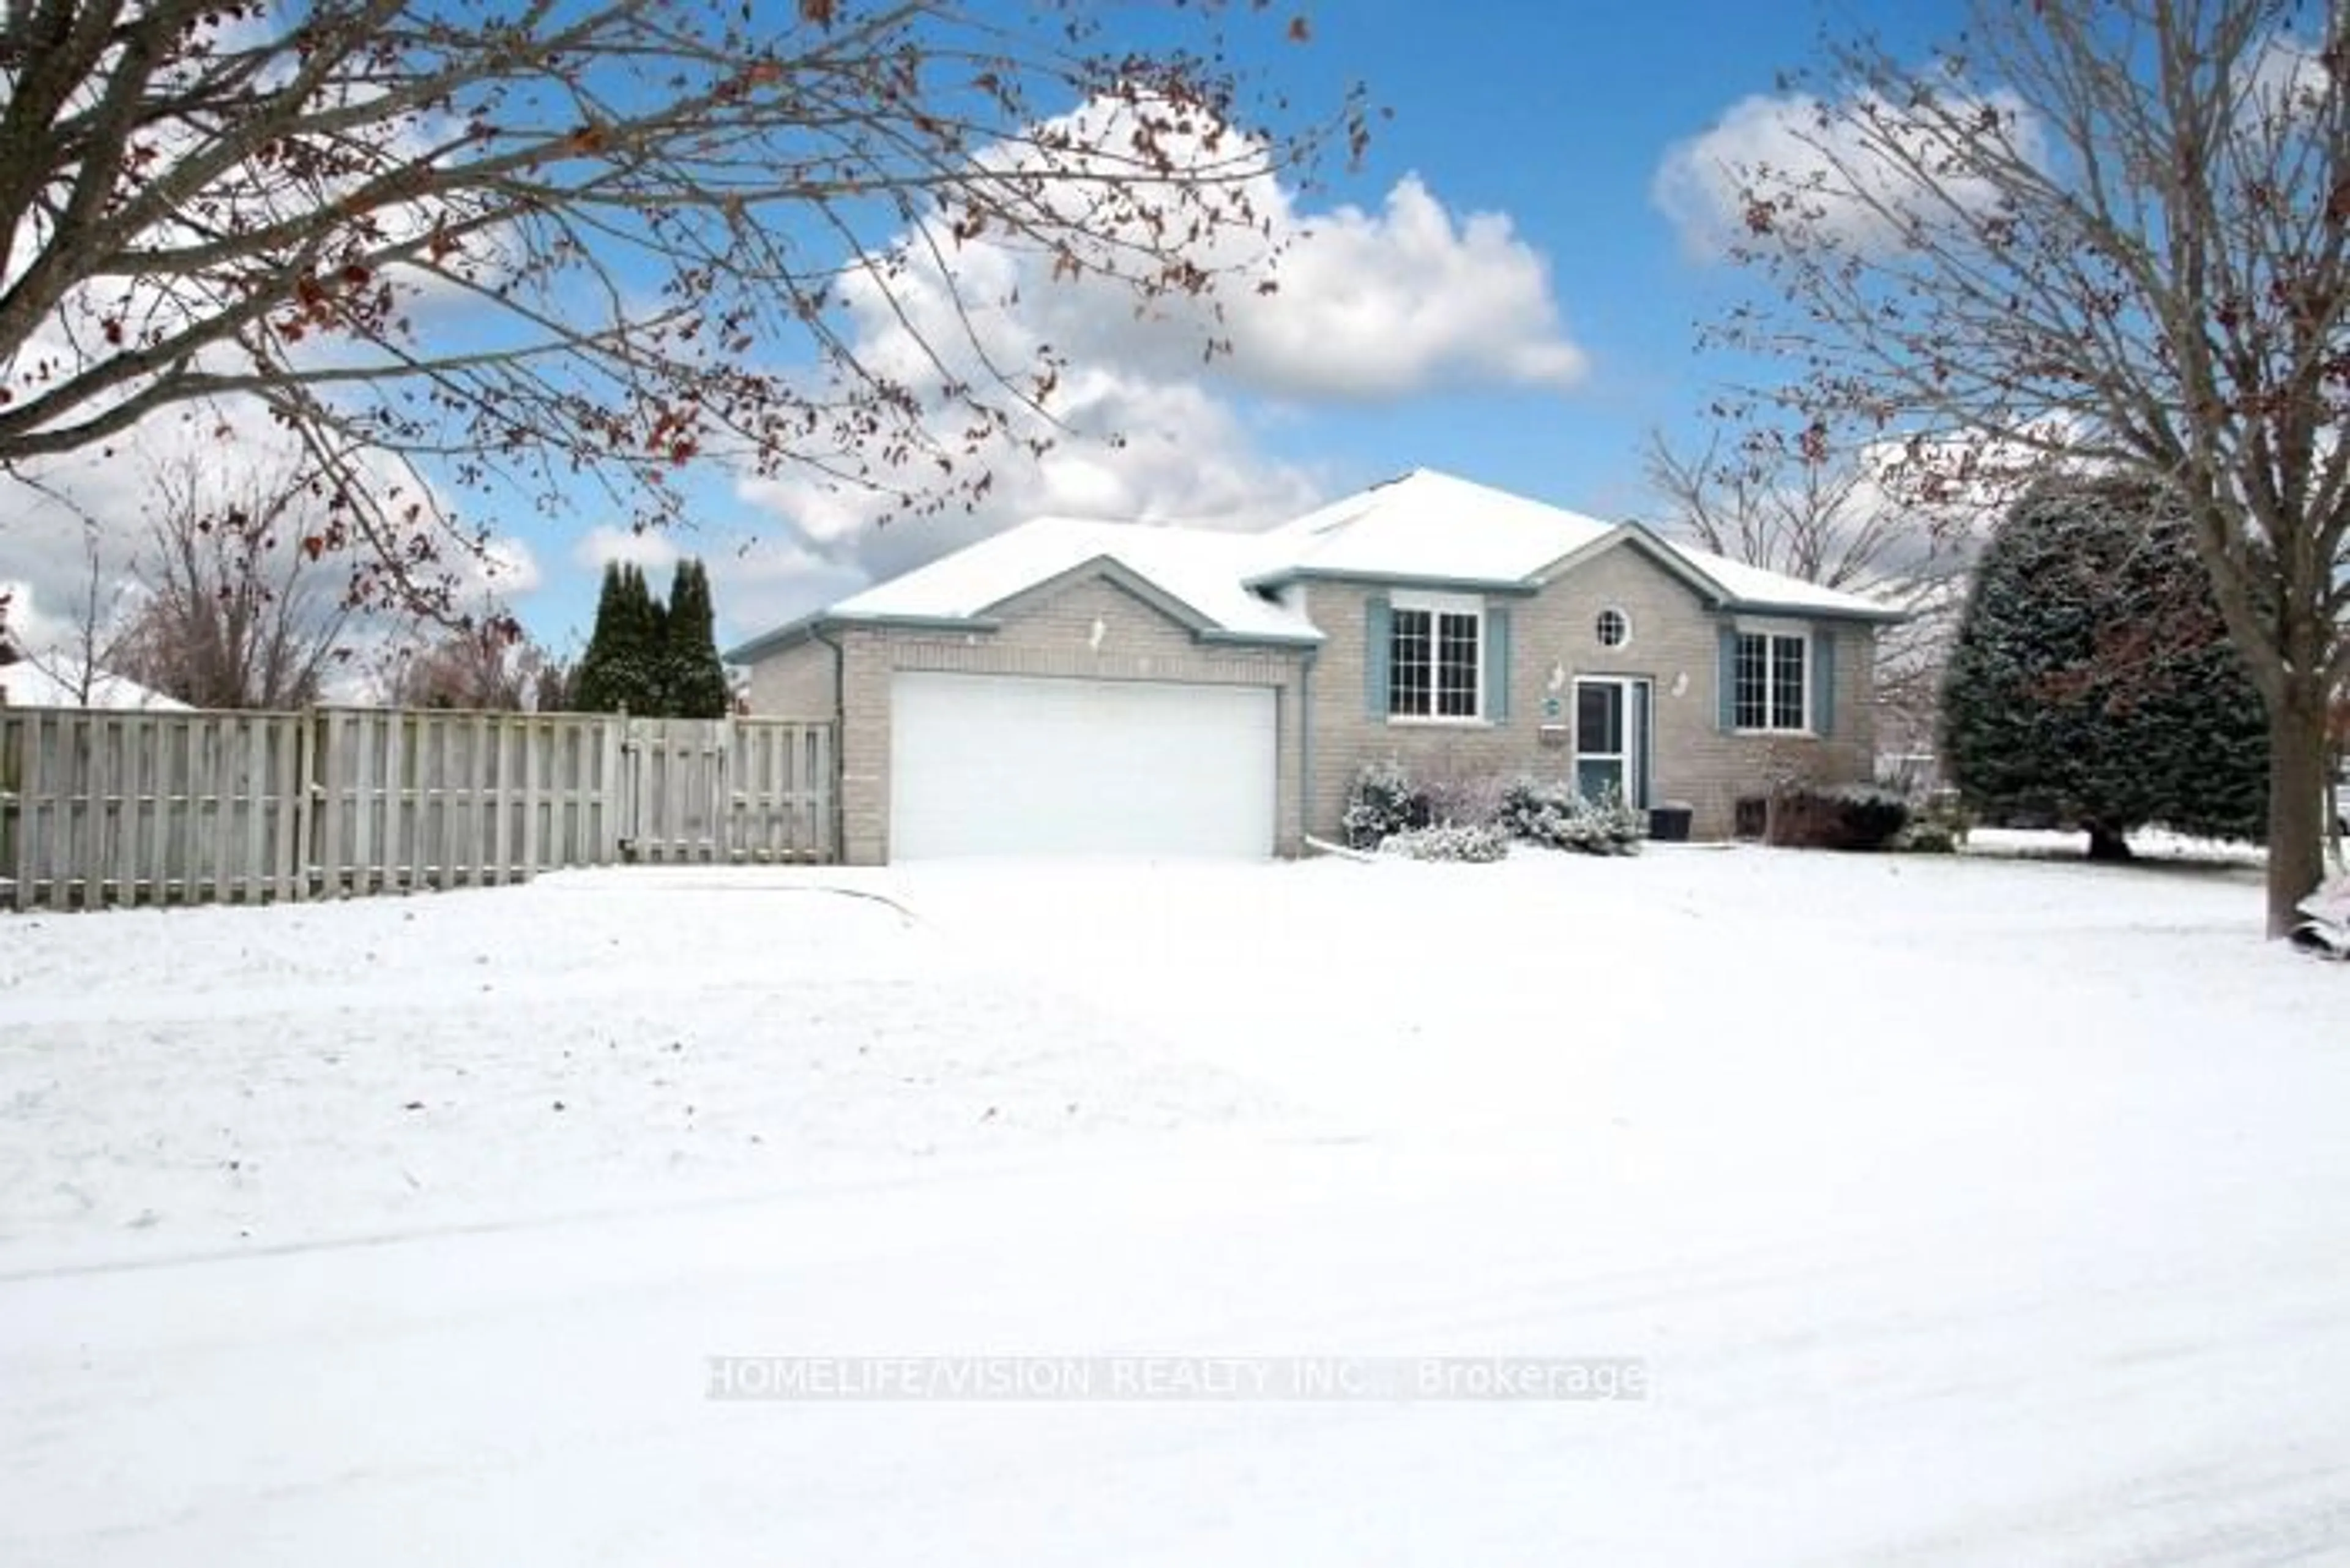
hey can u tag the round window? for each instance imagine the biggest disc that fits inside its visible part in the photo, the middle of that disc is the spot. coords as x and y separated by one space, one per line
1614 629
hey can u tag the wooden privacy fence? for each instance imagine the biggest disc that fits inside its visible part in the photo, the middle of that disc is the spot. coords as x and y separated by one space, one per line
114 807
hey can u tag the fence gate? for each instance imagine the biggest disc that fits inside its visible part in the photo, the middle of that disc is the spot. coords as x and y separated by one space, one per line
729 790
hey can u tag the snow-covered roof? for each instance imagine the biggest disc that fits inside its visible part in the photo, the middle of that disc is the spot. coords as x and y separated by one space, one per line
1434 527
1424 528
57 683
1203 574
1759 588
1428 526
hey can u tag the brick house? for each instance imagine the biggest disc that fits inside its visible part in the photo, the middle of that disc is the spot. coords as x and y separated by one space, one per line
1077 687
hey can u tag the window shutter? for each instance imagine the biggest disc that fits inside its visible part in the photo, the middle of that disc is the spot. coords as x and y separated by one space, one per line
1643 713
1643 706
1497 665
1379 642
1726 682
1824 681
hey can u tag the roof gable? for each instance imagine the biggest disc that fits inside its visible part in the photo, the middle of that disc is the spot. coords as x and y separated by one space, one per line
1657 552
1195 576
1111 570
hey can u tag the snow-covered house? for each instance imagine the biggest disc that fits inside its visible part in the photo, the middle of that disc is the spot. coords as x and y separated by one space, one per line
1083 687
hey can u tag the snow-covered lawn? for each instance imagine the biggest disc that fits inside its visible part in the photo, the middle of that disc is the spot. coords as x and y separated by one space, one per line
1961 1210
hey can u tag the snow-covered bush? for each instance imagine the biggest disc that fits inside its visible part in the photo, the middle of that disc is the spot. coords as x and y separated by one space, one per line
1553 815
1467 798
1380 802
1449 841
1612 826
1472 816
1923 838
1840 817
1536 809
1938 825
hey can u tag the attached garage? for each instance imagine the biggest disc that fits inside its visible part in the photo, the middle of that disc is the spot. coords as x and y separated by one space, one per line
1064 687
997 764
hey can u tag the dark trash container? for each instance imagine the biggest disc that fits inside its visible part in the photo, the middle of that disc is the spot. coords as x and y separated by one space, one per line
1669 824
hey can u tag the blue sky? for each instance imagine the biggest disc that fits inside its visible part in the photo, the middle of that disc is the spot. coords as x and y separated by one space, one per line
1496 292
1559 116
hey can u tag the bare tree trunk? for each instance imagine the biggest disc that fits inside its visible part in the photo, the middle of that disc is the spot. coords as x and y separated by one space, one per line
2298 792
2337 767
2107 843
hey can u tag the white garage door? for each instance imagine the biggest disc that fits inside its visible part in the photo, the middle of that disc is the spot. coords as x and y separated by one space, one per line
987 764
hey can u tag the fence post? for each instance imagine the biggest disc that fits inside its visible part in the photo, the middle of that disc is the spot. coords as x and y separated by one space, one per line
13 839
299 814
498 838
611 831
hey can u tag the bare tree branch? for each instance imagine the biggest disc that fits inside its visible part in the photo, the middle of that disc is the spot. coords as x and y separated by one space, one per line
1804 503
616 238
1835 511
237 609
486 665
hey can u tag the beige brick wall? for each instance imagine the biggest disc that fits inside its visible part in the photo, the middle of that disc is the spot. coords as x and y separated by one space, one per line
796 683
1674 643
1051 635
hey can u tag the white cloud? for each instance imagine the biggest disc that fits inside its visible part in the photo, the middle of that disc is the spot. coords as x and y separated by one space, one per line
1841 156
1368 307
87 505
2289 87
1384 305
1388 304
1407 300
104 501
1182 455
504 571
35 623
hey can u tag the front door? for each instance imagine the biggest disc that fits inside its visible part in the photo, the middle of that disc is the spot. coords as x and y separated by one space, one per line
1610 739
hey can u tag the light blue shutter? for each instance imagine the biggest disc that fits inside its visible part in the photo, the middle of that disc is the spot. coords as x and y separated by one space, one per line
1643 707
1824 681
1378 639
1497 666
1726 681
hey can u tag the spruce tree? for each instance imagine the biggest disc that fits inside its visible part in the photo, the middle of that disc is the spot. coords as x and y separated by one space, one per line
695 677
647 685
622 667
598 688
2093 678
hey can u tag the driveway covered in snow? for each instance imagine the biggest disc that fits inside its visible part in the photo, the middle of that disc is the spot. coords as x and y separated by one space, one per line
1956 1212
